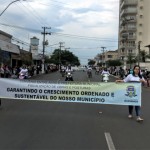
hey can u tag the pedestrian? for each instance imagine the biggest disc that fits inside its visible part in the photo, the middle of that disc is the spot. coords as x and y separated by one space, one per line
2 71
7 71
121 73
134 77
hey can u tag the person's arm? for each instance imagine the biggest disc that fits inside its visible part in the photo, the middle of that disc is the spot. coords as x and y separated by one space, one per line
119 81
143 81
127 79
108 73
102 72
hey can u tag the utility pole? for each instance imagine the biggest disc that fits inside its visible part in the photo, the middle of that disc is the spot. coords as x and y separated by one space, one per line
139 49
103 50
44 43
60 46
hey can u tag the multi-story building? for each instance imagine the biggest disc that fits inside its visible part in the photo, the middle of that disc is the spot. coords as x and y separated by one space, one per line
134 28
106 56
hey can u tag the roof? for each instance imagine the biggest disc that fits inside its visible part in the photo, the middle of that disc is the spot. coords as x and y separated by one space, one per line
6 34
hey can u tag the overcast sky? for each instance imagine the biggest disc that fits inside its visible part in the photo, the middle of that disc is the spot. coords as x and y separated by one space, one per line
84 26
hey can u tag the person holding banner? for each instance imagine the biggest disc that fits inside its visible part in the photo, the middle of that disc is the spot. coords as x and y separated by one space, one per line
135 77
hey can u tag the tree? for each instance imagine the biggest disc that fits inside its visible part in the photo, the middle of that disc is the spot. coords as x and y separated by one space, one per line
91 62
143 56
131 59
64 57
113 63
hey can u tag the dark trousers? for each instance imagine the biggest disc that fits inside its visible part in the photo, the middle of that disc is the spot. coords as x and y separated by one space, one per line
137 110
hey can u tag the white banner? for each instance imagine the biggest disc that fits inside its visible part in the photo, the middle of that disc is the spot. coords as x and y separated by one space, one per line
84 92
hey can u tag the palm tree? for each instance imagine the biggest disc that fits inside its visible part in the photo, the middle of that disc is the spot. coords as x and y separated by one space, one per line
131 60
143 56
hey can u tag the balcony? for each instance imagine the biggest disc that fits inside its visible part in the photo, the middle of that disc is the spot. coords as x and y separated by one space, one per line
129 3
128 11
131 29
124 46
122 4
133 37
123 29
127 20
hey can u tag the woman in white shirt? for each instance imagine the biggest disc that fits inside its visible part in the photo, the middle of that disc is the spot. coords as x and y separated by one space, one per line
135 77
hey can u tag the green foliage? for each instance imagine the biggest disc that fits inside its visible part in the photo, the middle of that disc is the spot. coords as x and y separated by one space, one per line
143 56
91 62
131 59
64 57
113 63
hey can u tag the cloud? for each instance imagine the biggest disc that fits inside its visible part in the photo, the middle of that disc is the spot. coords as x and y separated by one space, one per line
86 18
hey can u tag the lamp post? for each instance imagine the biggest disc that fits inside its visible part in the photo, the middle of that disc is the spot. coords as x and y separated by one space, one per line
9 5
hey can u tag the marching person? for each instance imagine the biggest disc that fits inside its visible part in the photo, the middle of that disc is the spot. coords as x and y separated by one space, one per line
23 74
135 77
105 73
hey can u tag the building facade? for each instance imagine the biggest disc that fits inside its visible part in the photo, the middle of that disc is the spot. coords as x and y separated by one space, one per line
134 28
11 54
106 56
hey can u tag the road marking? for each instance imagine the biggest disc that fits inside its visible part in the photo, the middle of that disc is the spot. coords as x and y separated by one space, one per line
109 141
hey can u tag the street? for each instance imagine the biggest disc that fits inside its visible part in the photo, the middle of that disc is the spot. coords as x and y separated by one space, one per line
37 125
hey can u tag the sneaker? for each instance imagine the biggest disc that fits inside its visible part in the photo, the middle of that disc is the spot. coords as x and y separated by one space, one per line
130 116
139 119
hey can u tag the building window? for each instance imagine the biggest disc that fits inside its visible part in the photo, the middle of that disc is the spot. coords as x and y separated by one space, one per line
109 56
130 51
141 16
141 7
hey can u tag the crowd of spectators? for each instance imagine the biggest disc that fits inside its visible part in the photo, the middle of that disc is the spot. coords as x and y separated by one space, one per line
9 72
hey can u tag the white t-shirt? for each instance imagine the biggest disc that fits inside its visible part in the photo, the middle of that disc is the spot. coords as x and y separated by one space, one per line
24 72
89 68
131 78
69 70
105 72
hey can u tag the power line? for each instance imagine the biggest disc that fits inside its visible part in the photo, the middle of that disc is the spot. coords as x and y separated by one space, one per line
83 37
63 34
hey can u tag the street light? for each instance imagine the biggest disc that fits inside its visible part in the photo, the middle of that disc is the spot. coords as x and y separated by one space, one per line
9 5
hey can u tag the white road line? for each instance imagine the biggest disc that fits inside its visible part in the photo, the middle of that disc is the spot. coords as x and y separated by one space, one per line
109 141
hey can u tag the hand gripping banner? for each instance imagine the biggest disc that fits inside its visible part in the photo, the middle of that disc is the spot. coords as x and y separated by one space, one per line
83 92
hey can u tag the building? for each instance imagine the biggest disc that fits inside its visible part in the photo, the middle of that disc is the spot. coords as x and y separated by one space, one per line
134 28
9 53
106 56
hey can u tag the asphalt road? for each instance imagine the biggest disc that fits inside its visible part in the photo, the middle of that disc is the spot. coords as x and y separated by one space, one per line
36 125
